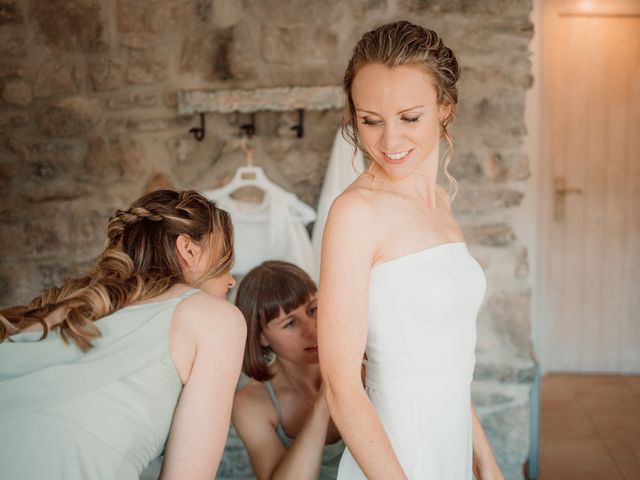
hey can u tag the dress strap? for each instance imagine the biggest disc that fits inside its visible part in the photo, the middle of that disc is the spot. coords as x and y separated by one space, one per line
274 399
188 293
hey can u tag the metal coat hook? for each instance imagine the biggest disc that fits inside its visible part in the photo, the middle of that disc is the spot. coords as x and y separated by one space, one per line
249 129
299 128
198 132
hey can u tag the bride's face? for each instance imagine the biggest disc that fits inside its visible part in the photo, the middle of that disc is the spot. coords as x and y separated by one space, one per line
398 116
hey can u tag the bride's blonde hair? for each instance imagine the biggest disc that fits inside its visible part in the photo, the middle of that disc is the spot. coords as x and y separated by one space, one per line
403 43
139 261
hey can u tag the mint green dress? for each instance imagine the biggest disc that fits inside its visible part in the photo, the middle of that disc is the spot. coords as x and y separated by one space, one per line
104 414
331 453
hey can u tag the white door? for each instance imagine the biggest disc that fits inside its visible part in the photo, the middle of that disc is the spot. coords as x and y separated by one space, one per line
590 187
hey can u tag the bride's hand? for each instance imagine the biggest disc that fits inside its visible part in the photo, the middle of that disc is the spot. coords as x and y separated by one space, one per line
487 472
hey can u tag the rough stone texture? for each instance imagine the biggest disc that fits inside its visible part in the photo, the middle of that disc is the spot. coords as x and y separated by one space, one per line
295 45
70 116
110 159
132 100
159 16
13 120
208 54
147 124
55 78
508 430
103 126
511 320
159 181
494 234
17 93
139 40
10 68
13 43
71 24
146 67
105 74
10 13
473 200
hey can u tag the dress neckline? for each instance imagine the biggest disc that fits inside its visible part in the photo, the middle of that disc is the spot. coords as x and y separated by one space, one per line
416 253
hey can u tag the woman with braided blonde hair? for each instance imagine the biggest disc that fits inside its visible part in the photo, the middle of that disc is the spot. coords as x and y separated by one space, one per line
96 375
397 280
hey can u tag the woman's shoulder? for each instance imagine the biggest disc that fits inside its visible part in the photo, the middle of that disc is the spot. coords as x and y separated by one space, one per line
254 398
203 313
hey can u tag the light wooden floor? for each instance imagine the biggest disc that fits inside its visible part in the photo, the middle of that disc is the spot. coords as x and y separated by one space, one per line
589 427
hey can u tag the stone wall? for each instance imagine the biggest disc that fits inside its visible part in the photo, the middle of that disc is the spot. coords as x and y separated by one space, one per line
88 122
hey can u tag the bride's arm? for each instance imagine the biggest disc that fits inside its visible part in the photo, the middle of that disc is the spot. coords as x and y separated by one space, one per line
347 254
485 466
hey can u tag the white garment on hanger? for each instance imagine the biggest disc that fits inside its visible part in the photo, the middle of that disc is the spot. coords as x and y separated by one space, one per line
339 175
270 230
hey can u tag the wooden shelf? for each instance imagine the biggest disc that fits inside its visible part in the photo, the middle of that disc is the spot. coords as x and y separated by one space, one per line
261 99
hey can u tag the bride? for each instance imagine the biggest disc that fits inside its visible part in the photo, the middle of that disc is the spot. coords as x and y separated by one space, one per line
397 279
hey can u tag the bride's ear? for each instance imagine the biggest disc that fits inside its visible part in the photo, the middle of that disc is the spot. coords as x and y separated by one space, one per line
263 341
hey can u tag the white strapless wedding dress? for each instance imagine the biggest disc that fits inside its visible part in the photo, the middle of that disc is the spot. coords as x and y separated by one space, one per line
421 355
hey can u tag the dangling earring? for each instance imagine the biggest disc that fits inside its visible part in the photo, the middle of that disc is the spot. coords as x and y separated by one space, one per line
268 356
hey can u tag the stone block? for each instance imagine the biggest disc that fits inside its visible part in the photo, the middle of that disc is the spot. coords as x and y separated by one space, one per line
88 229
148 124
10 13
208 54
17 93
54 171
13 43
113 158
13 120
191 160
62 190
509 312
105 74
55 78
45 232
468 7
465 165
508 433
507 371
521 269
71 24
159 181
476 200
493 234
156 16
69 116
298 44
299 12
225 13
140 41
363 9
55 274
132 100
9 68
146 67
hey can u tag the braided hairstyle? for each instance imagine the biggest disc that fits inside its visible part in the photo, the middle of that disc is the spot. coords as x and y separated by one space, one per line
405 43
139 261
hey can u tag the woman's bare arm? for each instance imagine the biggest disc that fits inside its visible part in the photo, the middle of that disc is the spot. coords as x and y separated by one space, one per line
485 466
270 460
201 419
348 250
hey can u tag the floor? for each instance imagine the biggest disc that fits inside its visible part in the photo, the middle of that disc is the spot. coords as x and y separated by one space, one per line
589 427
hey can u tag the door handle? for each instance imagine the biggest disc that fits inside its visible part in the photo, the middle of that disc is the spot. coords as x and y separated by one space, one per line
560 191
